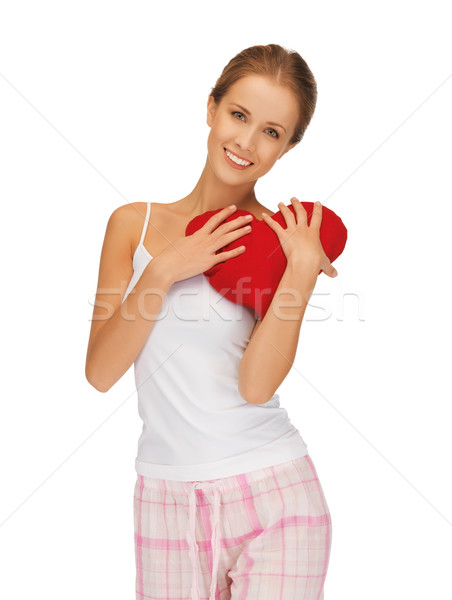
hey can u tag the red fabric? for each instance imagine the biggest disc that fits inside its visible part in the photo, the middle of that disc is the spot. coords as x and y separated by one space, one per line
252 277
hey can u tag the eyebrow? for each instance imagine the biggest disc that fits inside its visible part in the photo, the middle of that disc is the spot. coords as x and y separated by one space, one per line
247 112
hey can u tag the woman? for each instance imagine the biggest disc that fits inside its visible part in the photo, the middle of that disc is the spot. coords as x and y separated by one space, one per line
214 437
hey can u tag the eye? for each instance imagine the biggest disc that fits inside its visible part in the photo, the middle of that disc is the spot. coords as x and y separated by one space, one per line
236 112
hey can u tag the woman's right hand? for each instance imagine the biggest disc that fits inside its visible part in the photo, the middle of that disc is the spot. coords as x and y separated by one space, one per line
192 254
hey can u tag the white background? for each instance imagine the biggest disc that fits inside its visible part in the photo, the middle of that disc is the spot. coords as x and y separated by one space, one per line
104 103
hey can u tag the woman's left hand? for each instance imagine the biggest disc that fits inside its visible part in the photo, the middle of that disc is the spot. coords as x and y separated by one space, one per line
301 242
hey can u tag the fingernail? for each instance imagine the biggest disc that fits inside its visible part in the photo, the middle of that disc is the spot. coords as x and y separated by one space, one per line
334 273
232 206
264 214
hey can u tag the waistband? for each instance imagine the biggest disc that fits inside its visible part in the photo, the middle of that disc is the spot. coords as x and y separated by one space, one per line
223 484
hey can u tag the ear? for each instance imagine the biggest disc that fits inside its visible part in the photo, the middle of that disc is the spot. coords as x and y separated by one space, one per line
211 110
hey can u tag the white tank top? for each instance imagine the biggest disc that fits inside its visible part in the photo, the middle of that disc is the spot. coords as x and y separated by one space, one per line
196 425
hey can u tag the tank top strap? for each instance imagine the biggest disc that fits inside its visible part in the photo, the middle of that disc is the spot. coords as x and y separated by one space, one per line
146 222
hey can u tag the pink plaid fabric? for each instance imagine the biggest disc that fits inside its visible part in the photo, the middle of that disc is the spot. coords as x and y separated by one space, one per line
268 537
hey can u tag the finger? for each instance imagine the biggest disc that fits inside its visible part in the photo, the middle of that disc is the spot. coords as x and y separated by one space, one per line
230 230
230 253
228 237
329 270
332 272
238 222
300 211
271 222
287 213
213 222
316 218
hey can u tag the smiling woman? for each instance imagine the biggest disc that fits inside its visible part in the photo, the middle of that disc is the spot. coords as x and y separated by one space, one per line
267 127
207 370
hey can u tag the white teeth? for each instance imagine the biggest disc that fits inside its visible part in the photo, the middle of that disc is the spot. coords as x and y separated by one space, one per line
237 160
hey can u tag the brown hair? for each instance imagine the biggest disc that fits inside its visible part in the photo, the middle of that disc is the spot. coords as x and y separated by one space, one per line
285 67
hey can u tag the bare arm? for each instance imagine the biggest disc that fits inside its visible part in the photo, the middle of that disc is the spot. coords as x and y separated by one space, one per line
271 350
119 331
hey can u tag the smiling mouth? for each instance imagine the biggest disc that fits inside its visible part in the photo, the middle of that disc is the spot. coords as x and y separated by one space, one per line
250 163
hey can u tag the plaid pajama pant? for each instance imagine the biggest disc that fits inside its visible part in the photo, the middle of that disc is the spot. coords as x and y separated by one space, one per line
269 537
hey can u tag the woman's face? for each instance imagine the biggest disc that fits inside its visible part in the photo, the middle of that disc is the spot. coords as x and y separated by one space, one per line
260 137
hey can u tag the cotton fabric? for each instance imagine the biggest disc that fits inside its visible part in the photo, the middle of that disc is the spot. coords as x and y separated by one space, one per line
196 424
262 535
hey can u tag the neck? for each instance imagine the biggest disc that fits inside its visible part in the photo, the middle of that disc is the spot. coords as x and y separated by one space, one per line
210 193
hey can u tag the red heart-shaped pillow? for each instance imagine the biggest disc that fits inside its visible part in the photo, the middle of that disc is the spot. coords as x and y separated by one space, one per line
252 277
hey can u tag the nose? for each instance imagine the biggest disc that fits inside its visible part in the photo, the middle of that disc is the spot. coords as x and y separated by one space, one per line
245 142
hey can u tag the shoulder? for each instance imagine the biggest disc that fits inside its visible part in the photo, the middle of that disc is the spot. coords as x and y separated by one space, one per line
126 221
129 217
129 213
